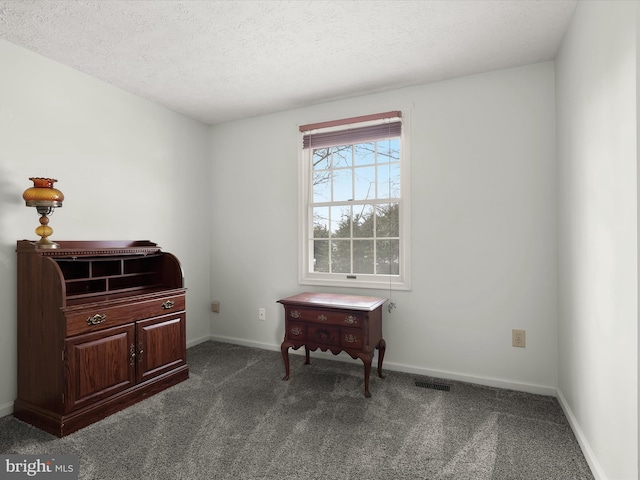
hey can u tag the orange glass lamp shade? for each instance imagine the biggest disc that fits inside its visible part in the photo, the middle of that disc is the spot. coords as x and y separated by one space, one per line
45 198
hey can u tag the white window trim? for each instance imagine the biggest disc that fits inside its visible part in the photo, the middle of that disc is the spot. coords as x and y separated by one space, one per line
379 282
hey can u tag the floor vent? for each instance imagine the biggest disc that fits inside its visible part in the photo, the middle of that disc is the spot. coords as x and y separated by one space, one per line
433 385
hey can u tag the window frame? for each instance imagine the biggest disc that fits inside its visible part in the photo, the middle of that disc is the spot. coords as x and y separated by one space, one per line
305 220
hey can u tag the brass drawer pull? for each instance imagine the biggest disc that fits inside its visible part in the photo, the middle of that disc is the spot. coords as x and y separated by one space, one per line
295 313
168 304
350 338
132 355
296 331
350 319
322 318
97 319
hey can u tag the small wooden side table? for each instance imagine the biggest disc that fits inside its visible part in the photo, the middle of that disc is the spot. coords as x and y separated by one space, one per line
337 323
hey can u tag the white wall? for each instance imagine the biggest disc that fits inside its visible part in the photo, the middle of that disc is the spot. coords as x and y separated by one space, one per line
129 170
598 242
483 219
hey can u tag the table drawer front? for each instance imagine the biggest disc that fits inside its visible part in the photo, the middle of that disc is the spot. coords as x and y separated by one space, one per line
351 338
95 318
324 335
326 317
296 331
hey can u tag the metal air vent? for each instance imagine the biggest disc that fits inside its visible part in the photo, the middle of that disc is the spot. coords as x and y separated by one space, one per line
433 385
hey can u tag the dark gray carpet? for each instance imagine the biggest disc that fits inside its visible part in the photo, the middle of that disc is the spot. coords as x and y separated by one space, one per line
235 419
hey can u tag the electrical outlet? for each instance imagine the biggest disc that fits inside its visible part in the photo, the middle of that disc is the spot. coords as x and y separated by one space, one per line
518 338
261 314
215 307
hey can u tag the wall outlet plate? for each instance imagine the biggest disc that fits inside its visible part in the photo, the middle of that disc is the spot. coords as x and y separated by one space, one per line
518 338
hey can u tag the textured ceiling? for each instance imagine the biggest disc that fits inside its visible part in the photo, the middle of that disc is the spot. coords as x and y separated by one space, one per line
218 61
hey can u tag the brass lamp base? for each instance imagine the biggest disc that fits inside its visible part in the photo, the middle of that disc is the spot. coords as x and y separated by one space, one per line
44 242
45 231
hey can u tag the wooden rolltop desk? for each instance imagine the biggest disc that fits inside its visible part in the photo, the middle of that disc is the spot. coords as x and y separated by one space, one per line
101 326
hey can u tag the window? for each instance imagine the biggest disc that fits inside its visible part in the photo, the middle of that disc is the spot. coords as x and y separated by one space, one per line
354 210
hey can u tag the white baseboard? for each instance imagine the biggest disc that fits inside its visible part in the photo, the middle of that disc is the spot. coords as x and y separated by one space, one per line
245 343
398 367
194 342
594 465
6 409
485 381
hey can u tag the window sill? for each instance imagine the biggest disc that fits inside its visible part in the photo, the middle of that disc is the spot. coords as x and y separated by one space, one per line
368 284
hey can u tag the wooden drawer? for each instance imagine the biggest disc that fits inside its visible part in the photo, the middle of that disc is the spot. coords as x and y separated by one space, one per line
351 338
323 334
296 331
326 317
95 317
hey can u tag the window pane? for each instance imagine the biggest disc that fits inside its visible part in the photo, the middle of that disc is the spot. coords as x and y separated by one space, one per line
388 257
321 255
389 180
321 222
342 186
342 156
341 256
365 183
341 222
321 157
322 186
363 221
388 220
389 150
363 256
364 154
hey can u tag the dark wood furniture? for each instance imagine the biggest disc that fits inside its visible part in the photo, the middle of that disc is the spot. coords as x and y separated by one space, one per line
101 325
334 322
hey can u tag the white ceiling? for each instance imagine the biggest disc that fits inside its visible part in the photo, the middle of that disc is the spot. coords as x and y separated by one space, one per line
221 60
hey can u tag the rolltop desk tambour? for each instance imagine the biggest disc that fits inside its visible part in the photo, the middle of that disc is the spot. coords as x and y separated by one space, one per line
334 322
101 326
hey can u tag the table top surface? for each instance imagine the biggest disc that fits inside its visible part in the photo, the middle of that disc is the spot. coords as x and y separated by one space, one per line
334 300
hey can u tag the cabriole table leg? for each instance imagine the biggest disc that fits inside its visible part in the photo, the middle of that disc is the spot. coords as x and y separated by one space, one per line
382 347
284 348
366 360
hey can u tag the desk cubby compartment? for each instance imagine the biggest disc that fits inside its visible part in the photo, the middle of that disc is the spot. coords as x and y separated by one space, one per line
73 269
132 282
76 288
106 268
147 264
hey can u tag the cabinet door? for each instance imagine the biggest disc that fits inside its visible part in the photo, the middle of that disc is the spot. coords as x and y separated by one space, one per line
161 345
99 364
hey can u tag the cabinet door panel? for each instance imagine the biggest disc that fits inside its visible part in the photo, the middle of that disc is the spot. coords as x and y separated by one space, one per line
161 345
100 364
